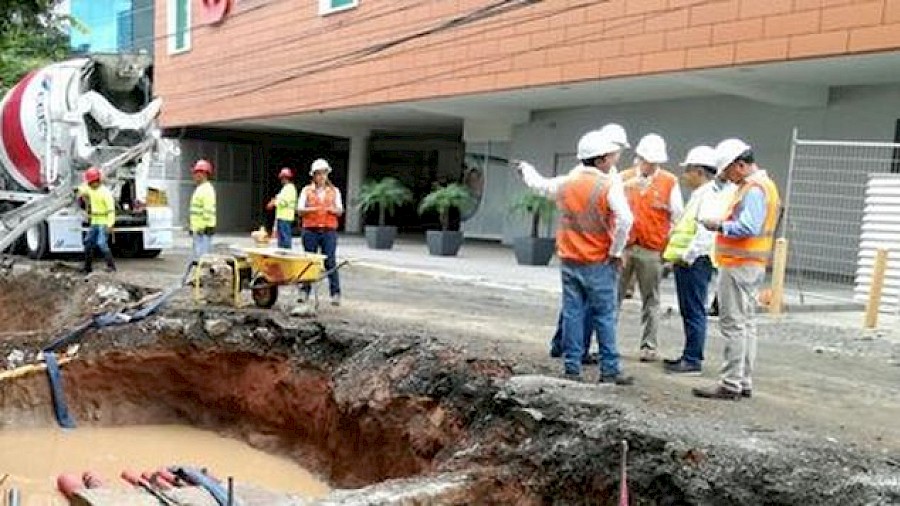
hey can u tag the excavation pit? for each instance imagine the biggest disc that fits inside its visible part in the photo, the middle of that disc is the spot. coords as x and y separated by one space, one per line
386 417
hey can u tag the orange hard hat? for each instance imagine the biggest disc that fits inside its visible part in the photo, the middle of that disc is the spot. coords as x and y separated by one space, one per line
203 166
92 175
286 173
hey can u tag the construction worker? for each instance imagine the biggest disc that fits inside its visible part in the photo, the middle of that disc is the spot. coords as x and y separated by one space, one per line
616 133
655 199
285 205
100 205
689 250
743 243
320 206
590 239
203 209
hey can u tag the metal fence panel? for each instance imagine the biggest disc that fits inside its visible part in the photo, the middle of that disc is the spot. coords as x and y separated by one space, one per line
825 203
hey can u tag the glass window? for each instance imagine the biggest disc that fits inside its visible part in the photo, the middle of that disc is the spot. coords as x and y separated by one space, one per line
179 25
329 6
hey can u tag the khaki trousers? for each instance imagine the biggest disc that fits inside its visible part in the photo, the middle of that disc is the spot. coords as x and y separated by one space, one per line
738 289
646 265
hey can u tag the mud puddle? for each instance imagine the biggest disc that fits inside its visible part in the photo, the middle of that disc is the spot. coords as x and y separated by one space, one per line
33 458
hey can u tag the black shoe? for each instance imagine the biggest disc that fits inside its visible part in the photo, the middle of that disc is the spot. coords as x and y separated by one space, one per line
682 367
589 359
573 377
717 392
672 361
111 268
747 393
619 379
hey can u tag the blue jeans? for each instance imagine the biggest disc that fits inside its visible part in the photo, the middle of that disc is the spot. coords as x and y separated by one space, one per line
202 245
284 229
590 287
326 242
556 344
96 238
692 285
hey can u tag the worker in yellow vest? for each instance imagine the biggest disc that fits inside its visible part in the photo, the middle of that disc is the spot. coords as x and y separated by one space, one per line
655 200
590 239
689 250
100 205
320 206
285 206
203 209
743 246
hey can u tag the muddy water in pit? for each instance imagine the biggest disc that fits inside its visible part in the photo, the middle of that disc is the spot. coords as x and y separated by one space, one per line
35 457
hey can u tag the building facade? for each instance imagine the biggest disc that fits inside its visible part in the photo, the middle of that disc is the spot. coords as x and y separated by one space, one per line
111 26
434 91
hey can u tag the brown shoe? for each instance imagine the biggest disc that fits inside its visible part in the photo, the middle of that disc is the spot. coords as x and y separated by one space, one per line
649 355
717 392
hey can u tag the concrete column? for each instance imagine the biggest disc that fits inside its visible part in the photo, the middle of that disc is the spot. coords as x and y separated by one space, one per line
356 174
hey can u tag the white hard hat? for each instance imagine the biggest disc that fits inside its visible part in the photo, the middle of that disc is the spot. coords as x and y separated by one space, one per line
652 149
595 143
728 150
616 133
320 164
701 155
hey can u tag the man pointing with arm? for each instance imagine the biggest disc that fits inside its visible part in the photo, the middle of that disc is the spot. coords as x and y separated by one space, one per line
593 228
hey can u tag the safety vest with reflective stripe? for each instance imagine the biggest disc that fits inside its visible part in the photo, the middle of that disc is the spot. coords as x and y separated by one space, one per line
286 203
683 233
650 205
739 251
101 205
203 207
323 218
584 232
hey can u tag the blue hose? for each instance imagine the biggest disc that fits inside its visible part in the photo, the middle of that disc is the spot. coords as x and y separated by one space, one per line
196 477
56 389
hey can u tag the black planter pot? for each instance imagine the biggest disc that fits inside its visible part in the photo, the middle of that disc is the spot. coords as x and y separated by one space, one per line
380 237
534 251
445 244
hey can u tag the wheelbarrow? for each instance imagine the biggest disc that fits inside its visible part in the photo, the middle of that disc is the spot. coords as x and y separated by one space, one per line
274 267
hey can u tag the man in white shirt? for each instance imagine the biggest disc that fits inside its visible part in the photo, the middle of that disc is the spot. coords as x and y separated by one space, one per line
689 249
594 224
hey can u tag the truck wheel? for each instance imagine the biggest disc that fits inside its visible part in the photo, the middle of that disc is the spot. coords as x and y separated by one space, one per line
37 242
17 247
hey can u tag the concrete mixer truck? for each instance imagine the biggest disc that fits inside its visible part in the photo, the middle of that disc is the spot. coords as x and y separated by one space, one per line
64 118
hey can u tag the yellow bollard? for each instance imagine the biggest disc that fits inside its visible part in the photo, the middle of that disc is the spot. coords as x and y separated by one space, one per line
779 264
874 302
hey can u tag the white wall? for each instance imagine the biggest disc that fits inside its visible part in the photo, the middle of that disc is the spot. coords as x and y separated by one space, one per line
233 166
853 113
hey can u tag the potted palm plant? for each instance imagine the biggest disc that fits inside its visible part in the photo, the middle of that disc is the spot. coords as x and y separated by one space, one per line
385 195
534 249
445 242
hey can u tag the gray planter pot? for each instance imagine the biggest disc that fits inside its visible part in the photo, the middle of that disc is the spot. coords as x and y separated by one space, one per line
534 251
380 237
445 244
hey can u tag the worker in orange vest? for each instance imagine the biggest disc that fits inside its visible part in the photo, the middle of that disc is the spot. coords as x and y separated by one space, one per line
655 199
590 240
320 206
743 245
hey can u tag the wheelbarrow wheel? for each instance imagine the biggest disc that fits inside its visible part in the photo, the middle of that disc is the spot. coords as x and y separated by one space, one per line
264 294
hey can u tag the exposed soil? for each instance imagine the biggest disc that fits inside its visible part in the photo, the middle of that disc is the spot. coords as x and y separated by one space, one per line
361 404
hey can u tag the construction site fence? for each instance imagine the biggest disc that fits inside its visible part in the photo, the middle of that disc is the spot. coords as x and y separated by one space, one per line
841 204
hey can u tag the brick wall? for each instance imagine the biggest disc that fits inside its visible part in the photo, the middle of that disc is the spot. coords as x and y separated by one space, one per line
277 57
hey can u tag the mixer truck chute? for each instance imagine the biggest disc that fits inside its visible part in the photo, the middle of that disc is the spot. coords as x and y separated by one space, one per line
64 118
